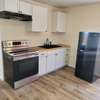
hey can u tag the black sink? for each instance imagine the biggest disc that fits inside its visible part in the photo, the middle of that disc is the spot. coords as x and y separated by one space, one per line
50 46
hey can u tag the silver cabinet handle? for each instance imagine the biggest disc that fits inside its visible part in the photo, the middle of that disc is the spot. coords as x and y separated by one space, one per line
20 12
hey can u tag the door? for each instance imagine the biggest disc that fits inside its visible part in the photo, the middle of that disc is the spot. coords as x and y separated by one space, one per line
61 22
58 59
11 5
85 65
25 68
39 23
88 66
42 64
51 62
61 58
25 8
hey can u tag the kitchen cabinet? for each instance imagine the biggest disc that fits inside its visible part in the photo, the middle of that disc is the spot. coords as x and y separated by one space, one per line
39 16
52 60
16 6
25 7
59 22
42 63
9 5
60 59
68 53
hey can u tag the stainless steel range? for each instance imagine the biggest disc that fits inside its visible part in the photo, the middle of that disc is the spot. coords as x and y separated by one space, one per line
20 63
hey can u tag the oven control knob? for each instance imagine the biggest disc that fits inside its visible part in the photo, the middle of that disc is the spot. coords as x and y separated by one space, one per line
9 44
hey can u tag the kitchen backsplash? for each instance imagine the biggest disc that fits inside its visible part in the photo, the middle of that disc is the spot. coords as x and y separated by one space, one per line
12 30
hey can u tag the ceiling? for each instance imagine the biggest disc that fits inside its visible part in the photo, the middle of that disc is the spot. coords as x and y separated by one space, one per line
67 3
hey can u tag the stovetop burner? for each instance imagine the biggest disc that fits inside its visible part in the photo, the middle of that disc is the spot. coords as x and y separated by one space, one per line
23 52
20 49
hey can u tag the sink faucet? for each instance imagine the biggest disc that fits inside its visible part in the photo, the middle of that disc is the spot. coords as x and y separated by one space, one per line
48 42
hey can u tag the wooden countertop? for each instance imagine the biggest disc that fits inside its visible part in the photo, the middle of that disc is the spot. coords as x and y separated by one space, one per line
36 48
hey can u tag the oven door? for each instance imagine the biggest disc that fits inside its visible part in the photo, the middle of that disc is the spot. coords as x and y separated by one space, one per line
25 68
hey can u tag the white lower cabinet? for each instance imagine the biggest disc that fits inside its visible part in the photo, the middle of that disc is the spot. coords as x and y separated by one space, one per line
52 60
42 63
60 59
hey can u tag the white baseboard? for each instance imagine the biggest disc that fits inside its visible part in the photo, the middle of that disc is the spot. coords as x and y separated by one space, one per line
71 66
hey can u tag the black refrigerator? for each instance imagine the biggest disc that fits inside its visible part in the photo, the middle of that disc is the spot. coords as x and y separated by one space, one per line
88 56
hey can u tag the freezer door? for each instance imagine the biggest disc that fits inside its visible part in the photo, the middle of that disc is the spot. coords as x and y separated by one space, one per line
85 65
88 41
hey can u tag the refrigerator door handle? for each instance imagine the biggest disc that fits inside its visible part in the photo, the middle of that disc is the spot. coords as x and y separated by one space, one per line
81 50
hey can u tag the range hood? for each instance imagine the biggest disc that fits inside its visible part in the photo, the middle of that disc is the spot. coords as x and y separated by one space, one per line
15 16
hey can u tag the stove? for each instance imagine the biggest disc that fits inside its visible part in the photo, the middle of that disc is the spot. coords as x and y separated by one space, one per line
20 62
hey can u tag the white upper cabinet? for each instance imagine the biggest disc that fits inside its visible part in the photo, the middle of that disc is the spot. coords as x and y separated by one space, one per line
39 17
59 22
17 6
9 5
25 7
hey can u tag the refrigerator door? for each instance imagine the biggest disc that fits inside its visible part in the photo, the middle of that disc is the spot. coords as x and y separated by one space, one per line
85 65
88 41
93 41
83 38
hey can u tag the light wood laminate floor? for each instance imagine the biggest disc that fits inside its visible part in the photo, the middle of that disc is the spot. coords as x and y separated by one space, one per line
59 85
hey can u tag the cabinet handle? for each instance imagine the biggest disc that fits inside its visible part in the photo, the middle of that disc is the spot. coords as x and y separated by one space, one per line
46 30
20 12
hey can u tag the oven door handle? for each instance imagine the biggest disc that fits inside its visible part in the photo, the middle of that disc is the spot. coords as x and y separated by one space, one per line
18 58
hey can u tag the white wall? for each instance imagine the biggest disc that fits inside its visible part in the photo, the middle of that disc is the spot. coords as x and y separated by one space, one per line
81 18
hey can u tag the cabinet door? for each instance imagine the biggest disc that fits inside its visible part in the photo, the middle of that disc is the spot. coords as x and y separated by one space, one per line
39 23
25 8
60 58
42 64
61 22
85 65
58 61
51 62
11 5
63 57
